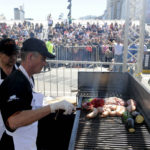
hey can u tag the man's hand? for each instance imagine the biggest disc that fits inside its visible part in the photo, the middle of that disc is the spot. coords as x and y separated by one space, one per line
64 105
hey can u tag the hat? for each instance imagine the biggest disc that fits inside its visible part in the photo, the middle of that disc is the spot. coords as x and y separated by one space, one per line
4 36
8 47
50 37
36 45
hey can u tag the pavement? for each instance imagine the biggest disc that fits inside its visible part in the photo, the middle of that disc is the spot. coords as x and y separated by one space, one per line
62 81
146 80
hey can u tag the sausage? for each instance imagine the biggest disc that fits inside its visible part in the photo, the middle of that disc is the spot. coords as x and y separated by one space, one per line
105 114
120 110
113 107
100 109
131 102
112 113
131 108
92 114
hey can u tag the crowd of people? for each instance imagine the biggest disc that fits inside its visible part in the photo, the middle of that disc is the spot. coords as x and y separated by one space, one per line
20 112
21 31
77 42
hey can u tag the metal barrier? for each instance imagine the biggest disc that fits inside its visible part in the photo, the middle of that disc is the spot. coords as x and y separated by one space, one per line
78 53
62 78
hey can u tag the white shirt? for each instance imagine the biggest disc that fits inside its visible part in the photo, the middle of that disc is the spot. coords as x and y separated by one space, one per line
118 49
21 68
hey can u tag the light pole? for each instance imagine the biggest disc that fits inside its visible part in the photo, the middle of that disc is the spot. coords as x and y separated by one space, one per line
69 13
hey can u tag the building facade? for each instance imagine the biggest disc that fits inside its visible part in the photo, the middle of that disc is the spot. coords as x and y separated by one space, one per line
19 13
2 17
114 9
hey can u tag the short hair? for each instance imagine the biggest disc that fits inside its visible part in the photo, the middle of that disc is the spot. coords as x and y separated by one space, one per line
24 55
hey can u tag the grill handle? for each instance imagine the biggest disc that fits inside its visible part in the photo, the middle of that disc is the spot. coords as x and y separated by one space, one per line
75 127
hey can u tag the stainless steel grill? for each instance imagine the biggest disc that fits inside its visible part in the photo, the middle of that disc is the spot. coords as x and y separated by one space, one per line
110 133
101 94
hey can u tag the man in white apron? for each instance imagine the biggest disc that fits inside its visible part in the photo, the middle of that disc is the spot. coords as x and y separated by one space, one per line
19 101
8 58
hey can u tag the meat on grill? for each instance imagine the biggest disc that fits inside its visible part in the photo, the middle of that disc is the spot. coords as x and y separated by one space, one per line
111 106
131 105
115 101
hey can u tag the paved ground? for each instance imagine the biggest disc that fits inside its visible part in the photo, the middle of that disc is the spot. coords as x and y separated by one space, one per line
63 81
145 80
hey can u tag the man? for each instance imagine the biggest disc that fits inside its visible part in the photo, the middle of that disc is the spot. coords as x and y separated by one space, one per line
118 55
50 45
8 58
50 48
19 102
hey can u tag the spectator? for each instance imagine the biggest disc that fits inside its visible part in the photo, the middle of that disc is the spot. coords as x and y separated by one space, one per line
118 55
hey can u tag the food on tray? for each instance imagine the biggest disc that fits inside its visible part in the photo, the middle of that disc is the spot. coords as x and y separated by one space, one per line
128 121
131 102
105 114
126 115
93 113
120 110
131 105
114 101
137 117
111 106
130 125
93 103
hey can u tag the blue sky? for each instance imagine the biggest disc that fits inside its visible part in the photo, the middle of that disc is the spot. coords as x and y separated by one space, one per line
38 9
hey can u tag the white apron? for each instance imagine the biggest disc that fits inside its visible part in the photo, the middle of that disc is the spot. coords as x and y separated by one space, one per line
24 138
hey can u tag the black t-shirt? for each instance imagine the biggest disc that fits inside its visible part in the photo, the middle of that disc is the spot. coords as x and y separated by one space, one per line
3 75
15 95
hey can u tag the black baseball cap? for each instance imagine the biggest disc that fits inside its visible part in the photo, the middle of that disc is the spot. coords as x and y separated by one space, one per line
36 45
8 46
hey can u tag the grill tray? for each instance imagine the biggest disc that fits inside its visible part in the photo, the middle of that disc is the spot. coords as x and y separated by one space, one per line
110 133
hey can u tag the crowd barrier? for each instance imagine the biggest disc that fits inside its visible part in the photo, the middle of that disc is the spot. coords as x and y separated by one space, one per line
62 80
79 53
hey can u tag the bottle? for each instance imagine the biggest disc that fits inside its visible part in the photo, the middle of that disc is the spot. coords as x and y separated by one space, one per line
139 119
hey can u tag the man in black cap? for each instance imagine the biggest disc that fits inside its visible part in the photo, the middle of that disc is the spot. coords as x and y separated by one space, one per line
19 101
8 58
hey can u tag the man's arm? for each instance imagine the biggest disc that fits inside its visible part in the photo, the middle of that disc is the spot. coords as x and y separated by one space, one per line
26 117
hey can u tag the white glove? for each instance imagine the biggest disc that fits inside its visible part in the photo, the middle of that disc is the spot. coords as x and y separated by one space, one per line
64 105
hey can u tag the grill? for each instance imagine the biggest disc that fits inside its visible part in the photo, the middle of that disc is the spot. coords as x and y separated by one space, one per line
110 133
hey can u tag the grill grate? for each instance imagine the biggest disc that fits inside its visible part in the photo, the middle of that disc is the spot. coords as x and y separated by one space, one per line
110 133
101 94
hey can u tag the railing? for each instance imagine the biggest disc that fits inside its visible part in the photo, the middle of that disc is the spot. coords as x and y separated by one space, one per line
62 79
78 53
